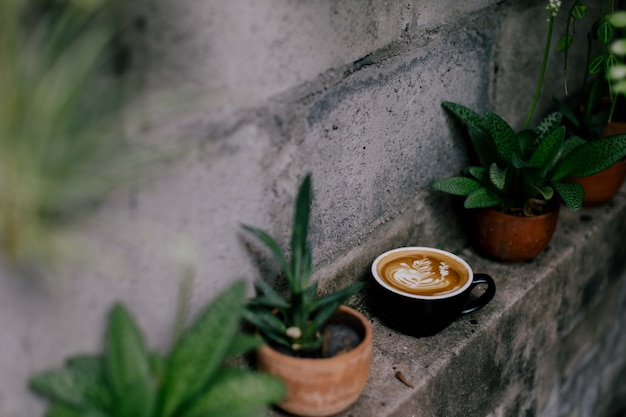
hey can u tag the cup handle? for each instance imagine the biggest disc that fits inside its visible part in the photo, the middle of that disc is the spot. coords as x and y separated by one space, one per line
485 297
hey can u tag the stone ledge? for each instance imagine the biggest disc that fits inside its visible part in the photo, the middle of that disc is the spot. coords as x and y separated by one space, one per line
526 352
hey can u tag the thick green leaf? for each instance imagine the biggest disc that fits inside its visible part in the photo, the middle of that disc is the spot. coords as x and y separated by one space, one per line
264 319
502 135
468 116
546 191
336 297
80 384
128 367
236 391
310 294
497 176
300 253
546 152
198 353
243 343
477 129
481 198
571 193
568 113
547 125
570 144
268 296
62 410
591 157
462 186
526 139
518 162
303 273
273 246
480 173
314 330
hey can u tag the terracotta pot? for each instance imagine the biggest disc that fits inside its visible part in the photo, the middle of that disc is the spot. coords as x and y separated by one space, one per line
325 386
601 187
513 238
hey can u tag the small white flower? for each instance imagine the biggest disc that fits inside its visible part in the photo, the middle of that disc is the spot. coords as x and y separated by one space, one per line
294 332
295 346
553 7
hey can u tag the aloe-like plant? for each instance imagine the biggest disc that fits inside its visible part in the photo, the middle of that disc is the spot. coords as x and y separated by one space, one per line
190 381
294 322
521 172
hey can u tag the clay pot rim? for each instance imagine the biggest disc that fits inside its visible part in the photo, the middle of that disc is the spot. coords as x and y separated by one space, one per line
367 340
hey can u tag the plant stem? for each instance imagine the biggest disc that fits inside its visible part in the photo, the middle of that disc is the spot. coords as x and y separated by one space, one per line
542 73
569 19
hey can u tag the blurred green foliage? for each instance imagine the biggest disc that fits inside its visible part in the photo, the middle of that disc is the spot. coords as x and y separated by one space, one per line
62 147
193 380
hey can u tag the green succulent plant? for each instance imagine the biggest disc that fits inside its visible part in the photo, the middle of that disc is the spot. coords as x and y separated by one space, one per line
521 172
190 381
294 322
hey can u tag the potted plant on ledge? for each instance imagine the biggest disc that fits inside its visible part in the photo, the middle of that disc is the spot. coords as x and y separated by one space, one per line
514 188
191 381
601 110
319 347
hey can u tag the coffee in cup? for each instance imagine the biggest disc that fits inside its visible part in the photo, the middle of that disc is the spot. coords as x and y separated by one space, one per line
421 290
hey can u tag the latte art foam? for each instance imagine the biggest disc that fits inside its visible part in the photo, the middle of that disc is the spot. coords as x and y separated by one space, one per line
423 274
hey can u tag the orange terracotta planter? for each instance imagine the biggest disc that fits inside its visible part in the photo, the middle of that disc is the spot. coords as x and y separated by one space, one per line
601 187
326 386
513 238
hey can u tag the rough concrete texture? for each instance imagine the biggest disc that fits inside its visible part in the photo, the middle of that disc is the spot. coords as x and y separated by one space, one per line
260 93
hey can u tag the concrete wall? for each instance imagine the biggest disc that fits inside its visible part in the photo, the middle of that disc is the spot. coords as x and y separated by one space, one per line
260 93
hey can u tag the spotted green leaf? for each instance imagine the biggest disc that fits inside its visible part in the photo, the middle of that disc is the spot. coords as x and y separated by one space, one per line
591 157
128 366
198 353
571 193
548 149
503 136
462 186
224 396
481 198
497 176
477 129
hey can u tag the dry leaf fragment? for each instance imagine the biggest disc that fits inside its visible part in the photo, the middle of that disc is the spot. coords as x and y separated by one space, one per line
402 379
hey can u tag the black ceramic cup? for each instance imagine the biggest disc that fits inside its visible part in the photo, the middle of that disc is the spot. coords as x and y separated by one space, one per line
419 290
